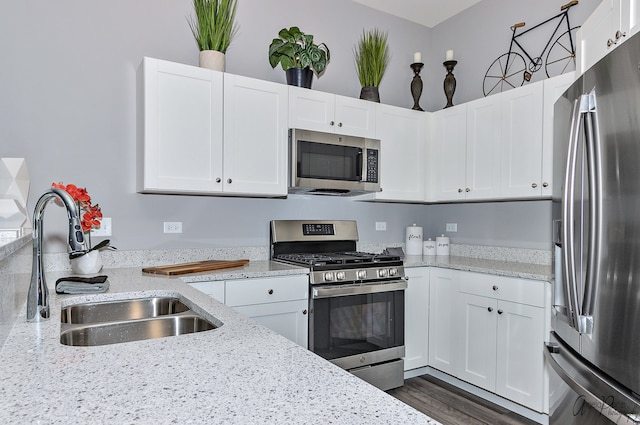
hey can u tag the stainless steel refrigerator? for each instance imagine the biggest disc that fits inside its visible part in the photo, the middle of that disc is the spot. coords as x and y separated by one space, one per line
593 353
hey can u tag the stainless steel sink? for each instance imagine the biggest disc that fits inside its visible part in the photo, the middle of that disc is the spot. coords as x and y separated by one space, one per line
114 311
134 330
114 322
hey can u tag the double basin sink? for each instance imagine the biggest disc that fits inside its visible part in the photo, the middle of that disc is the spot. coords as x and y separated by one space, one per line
113 322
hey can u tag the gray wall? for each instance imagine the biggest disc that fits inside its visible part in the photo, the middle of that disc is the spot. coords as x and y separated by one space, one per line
481 33
68 106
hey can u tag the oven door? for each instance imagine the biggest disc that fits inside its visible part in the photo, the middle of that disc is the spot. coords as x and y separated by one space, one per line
356 325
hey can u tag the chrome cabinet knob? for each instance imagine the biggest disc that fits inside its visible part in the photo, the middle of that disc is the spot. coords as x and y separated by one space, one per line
304 311
459 190
545 184
494 287
534 185
620 34
467 190
270 291
500 311
218 179
339 124
229 181
489 309
332 123
610 42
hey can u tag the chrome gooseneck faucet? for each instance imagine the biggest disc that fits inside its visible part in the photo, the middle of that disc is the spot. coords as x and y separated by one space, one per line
38 296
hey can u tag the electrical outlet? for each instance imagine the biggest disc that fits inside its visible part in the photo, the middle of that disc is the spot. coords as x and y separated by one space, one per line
452 227
173 227
104 229
381 225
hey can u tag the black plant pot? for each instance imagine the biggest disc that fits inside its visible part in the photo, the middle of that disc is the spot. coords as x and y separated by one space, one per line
300 77
370 93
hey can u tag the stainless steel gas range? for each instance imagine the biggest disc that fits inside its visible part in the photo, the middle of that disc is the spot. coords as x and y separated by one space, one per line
356 299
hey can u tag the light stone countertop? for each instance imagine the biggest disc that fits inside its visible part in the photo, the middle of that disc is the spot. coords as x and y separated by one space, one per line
239 373
481 265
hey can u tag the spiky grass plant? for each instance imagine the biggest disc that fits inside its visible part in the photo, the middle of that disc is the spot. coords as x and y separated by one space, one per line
214 25
371 57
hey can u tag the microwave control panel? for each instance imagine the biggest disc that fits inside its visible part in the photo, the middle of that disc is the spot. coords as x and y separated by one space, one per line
372 165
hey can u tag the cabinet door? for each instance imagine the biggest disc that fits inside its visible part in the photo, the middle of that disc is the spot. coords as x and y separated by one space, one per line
255 136
521 144
179 128
355 117
402 140
483 148
289 318
311 110
478 332
416 319
520 370
553 89
443 320
448 164
594 35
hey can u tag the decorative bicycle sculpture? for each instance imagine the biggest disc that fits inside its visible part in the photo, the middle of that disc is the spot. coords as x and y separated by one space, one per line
511 70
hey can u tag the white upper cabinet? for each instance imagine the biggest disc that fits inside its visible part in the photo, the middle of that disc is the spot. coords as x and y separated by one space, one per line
207 132
610 24
402 134
255 136
483 148
330 113
521 145
447 156
179 128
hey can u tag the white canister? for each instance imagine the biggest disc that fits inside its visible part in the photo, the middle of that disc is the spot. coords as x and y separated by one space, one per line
429 247
442 245
413 240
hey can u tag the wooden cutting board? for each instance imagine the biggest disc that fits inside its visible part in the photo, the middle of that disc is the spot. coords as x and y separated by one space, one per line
195 267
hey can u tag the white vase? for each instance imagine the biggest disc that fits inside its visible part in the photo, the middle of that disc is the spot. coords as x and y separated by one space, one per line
89 263
212 59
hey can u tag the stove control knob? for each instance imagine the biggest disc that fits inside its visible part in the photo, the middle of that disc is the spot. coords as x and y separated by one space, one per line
328 276
382 273
361 274
341 276
393 271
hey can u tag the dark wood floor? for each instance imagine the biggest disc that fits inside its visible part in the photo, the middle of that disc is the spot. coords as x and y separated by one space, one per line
453 406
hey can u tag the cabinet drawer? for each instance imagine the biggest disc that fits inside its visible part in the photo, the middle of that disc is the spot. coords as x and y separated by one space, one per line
215 289
513 289
267 290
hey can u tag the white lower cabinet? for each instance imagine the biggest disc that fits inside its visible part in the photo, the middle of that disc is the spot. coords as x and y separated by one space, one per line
502 333
279 303
416 318
443 320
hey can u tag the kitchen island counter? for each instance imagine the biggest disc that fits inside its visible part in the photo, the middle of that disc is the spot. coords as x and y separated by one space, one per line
239 373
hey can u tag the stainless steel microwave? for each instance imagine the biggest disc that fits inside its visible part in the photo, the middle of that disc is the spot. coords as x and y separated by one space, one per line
332 164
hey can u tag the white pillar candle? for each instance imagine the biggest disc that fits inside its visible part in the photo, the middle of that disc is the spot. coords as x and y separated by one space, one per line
417 57
449 55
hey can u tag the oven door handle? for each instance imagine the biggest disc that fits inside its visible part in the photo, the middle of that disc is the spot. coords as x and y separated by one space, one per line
346 290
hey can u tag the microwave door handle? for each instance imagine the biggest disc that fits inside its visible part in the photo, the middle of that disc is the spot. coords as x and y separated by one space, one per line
359 165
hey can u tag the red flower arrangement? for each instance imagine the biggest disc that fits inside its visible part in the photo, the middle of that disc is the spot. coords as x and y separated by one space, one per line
91 214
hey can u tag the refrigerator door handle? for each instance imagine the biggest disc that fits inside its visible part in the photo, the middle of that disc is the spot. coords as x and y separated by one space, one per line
594 163
568 217
585 396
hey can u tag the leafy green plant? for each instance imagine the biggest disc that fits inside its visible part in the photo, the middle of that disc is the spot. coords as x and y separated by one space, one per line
214 25
295 49
371 57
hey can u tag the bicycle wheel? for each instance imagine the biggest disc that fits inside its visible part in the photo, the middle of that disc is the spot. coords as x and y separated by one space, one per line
562 54
506 72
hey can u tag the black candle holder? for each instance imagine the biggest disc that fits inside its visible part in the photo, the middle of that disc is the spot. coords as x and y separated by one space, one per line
416 85
449 82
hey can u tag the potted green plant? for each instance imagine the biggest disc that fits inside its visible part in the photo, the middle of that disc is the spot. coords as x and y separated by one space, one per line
213 28
299 56
372 57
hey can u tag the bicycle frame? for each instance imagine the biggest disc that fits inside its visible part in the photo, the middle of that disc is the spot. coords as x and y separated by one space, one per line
564 18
